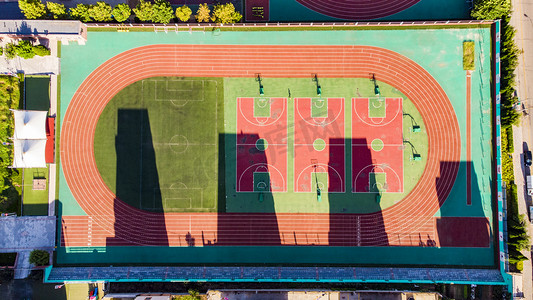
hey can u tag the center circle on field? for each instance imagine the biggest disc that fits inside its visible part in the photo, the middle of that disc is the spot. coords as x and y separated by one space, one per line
261 144
377 145
179 144
319 144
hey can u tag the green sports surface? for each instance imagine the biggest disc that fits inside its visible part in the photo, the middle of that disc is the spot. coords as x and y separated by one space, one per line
151 123
150 135
35 202
173 101
37 92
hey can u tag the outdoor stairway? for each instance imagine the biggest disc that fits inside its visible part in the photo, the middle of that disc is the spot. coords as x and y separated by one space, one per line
331 274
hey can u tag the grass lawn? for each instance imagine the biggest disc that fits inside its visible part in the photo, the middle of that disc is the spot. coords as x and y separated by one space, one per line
156 143
469 55
35 202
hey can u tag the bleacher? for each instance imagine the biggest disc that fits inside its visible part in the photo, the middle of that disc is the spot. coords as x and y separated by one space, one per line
249 273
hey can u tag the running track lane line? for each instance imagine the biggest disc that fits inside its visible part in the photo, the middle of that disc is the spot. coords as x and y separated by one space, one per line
468 138
358 9
100 86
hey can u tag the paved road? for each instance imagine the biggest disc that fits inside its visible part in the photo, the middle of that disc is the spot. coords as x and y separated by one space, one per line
523 22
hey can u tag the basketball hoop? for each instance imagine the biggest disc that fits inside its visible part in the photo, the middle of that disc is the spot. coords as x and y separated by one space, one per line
314 163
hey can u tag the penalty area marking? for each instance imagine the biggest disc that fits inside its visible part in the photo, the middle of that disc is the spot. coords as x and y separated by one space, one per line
261 182
382 168
263 119
379 119
177 92
377 182
321 111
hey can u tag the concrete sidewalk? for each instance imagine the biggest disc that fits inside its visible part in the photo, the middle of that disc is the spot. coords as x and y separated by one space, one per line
524 201
521 20
25 234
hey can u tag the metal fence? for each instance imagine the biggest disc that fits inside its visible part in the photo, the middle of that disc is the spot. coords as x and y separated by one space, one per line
203 26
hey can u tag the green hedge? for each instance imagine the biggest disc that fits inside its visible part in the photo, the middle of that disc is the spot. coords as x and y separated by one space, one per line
501 9
518 239
469 55
25 49
10 185
39 257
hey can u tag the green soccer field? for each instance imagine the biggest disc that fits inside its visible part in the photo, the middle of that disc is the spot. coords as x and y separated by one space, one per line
156 144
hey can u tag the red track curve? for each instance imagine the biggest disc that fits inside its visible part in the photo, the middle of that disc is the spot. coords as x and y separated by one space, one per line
412 216
358 9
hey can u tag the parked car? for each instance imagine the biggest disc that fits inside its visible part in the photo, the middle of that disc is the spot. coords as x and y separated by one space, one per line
527 158
529 185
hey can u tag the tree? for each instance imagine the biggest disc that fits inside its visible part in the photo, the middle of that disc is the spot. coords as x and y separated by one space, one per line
41 50
491 9
32 9
194 294
101 12
121 12
162 12
225 14
24 49
10 51
39 257
81 12
143 11
183 13
202 15
57 10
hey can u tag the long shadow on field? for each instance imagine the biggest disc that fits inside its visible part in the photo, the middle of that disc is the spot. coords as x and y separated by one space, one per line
352 229
137 178
459 231
254 178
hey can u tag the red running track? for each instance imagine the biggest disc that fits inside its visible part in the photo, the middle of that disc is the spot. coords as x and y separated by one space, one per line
394 226
358 9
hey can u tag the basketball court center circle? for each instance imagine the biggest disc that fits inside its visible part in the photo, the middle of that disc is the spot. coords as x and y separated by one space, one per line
319 144
377 145
261 144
